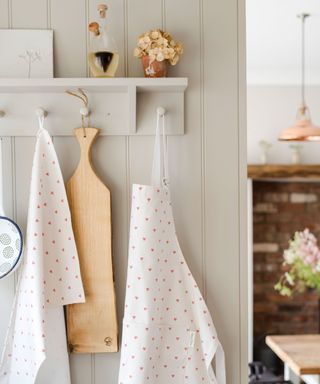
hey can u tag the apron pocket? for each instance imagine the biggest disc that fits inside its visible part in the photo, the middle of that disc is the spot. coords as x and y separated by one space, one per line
154 353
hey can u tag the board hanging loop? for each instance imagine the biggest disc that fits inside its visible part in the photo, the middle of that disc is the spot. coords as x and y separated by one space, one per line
84 111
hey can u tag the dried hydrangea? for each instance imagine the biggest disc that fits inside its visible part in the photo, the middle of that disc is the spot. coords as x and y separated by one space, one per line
159 46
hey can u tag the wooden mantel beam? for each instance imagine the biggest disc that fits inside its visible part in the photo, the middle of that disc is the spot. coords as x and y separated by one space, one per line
283 171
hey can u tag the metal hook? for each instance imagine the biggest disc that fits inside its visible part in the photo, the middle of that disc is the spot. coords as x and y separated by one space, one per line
84 112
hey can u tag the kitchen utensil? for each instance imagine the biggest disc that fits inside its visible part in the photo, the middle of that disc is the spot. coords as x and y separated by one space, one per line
11 241
92 326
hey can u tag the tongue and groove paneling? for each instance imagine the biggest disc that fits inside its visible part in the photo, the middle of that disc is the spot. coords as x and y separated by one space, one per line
206 163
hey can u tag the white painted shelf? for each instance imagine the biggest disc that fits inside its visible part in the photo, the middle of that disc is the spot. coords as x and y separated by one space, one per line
119 106
120 84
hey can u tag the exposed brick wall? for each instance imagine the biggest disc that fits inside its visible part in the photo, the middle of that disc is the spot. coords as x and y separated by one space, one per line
280 209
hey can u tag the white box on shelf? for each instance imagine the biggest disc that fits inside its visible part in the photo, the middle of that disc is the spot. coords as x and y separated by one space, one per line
26 53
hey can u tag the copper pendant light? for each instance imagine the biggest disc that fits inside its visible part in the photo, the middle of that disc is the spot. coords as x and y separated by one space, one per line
303 128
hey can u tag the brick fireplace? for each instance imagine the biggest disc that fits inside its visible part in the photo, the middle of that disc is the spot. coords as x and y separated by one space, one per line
279 209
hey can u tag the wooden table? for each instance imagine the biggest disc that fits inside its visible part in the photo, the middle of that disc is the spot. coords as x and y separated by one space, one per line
300 354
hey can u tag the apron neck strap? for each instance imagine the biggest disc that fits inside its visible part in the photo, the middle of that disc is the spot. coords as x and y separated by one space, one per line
160 168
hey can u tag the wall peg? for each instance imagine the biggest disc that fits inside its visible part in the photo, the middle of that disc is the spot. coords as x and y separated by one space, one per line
84 111
161 111
40 112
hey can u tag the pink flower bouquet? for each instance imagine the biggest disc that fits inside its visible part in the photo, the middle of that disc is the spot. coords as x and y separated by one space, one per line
302 259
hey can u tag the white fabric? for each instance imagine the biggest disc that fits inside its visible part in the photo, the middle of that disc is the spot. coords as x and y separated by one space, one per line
168 333
49 278
160 168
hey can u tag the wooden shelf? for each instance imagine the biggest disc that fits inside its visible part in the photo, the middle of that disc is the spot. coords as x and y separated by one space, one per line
283 171
119 106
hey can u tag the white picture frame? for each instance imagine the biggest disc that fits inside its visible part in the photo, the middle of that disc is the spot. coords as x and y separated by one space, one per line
26 53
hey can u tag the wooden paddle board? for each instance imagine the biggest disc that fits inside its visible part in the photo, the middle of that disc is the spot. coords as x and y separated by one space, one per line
92 326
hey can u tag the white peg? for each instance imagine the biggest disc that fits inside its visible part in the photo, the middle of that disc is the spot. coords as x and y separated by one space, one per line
2 113
84 111
161 111
40 112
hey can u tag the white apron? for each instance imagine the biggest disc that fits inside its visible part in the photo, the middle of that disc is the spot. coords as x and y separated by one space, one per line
168 333
49 278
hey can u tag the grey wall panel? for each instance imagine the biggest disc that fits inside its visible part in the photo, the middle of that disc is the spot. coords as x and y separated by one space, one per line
186 163
69 21
4 14
207 164
221 151
29 14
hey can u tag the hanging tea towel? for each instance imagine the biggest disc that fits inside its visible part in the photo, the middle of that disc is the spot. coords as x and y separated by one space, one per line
49 278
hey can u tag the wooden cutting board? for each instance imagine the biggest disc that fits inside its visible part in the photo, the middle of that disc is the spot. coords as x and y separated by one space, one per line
92 326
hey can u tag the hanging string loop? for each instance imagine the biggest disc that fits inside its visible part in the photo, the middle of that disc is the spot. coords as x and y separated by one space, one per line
84 111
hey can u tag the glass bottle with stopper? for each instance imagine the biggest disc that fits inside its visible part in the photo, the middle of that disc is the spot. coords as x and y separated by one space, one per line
103 52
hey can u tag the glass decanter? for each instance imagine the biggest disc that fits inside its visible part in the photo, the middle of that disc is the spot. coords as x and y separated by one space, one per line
103 53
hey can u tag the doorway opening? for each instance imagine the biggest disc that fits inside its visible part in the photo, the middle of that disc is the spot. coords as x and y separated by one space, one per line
283 179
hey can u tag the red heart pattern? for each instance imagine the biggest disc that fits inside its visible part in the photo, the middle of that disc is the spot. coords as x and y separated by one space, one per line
168 333
48 276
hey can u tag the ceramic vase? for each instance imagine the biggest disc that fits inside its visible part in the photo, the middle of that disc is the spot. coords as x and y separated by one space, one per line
154 68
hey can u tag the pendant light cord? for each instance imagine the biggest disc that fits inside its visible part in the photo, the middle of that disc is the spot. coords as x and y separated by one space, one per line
303 60
303 128
303 17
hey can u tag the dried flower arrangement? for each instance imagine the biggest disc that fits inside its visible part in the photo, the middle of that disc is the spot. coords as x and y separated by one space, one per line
157 46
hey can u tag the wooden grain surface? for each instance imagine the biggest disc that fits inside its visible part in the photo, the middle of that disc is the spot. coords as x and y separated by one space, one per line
300 352
92 326
283 171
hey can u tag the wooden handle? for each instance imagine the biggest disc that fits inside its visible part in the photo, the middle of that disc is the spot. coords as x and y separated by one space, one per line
86 137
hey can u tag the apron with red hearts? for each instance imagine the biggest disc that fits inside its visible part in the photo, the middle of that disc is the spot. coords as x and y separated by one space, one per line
168 333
